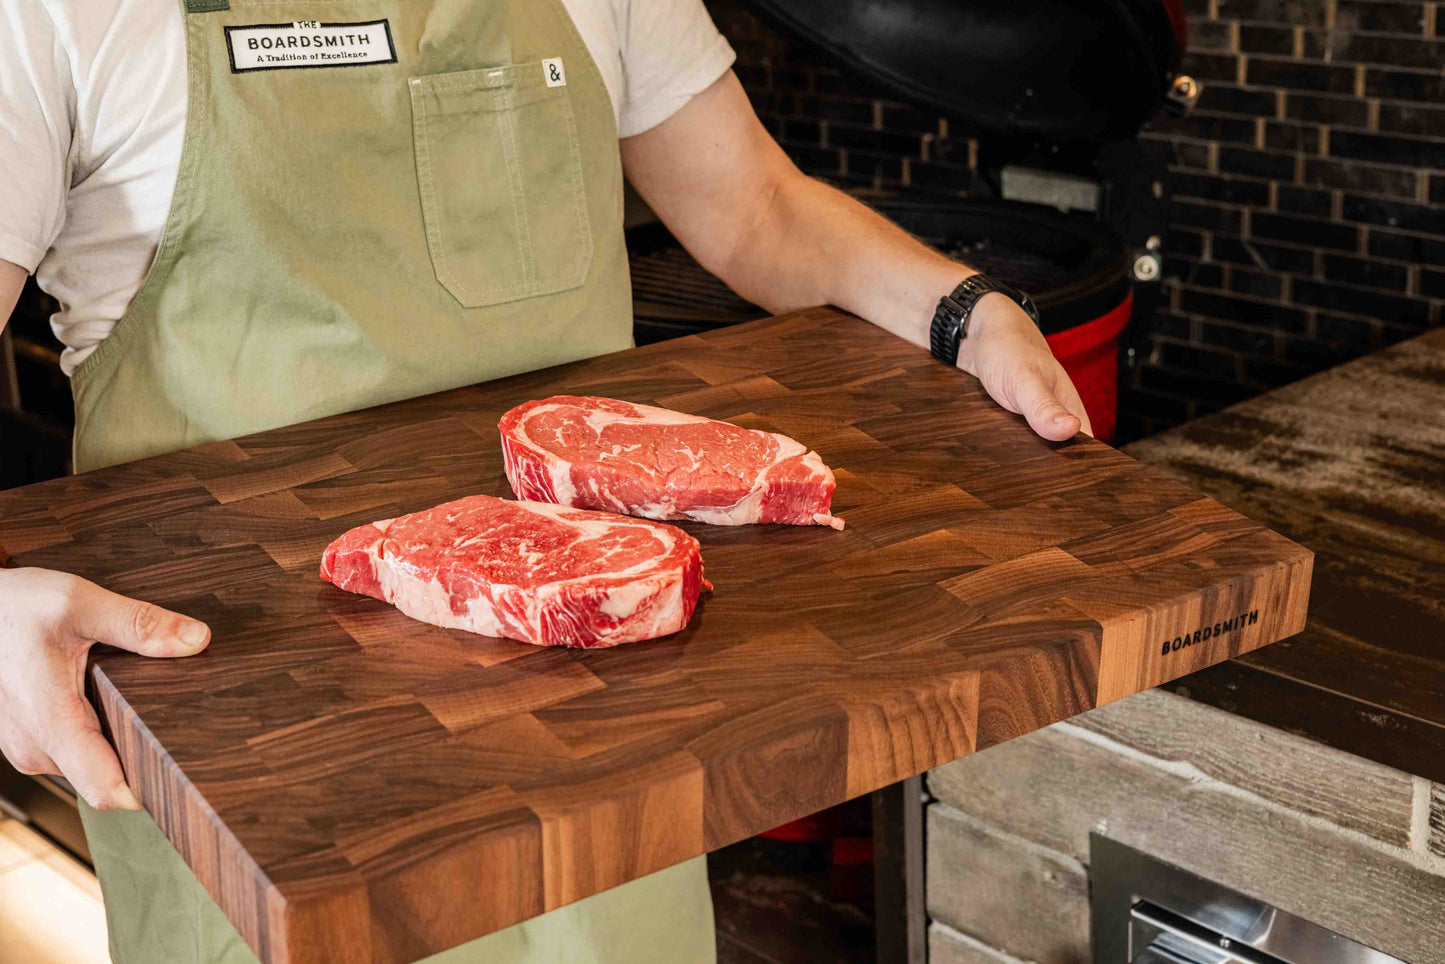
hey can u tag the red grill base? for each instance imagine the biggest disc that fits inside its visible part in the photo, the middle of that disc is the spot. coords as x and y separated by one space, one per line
1090 354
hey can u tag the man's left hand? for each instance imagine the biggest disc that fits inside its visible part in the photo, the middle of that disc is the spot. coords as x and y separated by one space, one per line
1006 351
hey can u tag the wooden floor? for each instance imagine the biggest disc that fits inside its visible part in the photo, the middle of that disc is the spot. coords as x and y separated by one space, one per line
50 907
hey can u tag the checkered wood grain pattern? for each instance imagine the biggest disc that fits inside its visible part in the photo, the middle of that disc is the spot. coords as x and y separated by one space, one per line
352 785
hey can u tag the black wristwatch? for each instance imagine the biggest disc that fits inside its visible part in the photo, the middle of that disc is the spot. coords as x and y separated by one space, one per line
950 320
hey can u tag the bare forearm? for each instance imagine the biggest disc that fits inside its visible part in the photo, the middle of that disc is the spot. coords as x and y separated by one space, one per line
815 245
779 238
812 244
730 194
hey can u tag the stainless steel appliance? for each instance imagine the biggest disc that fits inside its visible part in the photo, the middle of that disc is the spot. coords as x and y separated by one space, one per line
1145 911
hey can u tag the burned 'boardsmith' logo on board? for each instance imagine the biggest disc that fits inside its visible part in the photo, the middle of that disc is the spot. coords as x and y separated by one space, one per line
1210 632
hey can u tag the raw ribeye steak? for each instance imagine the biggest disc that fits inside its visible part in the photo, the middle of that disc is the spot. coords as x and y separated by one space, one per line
544 574
600 453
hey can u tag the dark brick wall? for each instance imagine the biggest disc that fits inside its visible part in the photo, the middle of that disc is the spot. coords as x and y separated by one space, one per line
836 125
1306 221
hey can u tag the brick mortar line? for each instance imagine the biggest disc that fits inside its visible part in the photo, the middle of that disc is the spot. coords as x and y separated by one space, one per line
1402 101
1225 354
1250 148
1157 393
1371 128
1212 203
1426 863
1359 67
1245 208
1240 296
1369 34
1390 135
1256 179
1411 232
1171 137
1229 323
1207 257
1285 302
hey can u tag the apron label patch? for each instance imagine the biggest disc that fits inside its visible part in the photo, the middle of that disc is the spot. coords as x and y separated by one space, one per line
309 43
556 75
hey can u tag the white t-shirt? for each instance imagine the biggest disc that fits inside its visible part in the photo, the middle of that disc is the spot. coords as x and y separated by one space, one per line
93 108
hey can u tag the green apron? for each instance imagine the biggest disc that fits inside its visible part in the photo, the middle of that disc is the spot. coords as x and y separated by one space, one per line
376 199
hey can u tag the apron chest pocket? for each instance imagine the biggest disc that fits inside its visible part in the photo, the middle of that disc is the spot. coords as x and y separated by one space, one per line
500 171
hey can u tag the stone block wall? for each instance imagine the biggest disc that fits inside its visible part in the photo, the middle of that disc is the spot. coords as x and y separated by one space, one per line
1341 841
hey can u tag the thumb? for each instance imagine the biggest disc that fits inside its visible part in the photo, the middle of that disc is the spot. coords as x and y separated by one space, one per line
140 627
85 759
1046 413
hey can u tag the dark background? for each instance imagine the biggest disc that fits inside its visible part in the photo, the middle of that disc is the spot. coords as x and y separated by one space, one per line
1307 225
1307 208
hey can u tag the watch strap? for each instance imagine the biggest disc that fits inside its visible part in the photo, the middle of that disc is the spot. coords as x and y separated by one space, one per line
951 317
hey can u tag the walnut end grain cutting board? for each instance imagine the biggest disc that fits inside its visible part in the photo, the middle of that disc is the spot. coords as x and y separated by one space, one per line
352 785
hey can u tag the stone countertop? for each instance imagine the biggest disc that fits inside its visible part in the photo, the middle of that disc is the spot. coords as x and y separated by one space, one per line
1350 463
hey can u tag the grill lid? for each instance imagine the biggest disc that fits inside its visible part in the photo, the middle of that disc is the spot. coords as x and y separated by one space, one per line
1081 70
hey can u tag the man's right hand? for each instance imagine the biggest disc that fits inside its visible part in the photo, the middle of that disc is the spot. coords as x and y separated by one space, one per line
48 622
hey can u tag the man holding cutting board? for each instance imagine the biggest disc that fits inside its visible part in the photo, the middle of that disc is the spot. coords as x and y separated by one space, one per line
255 213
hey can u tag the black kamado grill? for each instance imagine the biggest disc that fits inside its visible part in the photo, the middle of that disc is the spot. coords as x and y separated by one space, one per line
1066 203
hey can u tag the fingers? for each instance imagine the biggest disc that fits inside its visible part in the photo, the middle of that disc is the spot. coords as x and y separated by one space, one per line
91 766
46 726
140 627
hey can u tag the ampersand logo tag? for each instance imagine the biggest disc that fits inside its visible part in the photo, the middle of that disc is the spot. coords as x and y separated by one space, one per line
556 75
